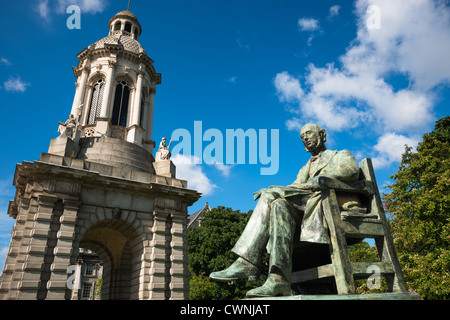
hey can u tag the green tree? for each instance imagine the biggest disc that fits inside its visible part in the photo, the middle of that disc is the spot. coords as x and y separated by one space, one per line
98 289
419 212
210 250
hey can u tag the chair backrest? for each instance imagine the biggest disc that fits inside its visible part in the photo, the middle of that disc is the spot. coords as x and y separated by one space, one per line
375 205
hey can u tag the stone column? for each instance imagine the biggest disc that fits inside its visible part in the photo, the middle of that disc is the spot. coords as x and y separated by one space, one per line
149 144
137 100
81 89
149 115
135 131
179 283
30 281
17 250
87 107
64 253
104 121
157 290
106 106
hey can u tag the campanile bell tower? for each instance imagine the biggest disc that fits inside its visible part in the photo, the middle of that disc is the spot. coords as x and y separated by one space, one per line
116 85
99 187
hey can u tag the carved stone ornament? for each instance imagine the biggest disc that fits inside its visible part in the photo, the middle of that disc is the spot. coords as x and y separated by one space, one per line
116 213
69 127
163 152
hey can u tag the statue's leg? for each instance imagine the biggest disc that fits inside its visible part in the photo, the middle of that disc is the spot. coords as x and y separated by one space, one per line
253 240
251 244
284 219
283 223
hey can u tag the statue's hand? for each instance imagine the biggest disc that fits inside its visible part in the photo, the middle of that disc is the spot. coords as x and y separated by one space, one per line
304 186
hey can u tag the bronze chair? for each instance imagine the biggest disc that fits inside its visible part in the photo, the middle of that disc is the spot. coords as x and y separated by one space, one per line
349 224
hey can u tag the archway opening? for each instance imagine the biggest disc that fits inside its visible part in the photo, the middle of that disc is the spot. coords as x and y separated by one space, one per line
88 281
113 240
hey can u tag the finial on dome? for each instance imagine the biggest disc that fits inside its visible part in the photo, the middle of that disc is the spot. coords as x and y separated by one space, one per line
128 8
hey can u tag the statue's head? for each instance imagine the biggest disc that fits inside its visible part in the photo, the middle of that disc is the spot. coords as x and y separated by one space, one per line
313 137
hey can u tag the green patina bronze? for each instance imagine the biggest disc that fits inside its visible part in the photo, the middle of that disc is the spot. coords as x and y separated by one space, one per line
332 203
279 212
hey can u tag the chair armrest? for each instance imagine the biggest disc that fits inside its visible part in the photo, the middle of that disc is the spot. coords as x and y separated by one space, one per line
361 186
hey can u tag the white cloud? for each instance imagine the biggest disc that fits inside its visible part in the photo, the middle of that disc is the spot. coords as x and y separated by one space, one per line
308 24
334 11
86 6
186 169
413 42
232 79
5 61
224 169
288 87
294 124
43 10
414 39
45 7
390 148
15 84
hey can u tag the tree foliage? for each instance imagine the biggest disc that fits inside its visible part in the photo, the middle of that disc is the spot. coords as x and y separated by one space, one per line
419 211
363 252
210 250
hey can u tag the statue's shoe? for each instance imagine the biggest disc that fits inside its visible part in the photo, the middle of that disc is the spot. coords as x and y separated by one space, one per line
274 286
240 269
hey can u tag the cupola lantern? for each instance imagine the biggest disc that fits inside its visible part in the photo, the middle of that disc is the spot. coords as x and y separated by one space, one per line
116 85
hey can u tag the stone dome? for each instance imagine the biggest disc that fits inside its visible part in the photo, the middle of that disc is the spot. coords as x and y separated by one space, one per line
128 43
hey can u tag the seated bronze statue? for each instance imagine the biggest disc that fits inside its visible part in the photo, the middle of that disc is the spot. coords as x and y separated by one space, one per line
281 211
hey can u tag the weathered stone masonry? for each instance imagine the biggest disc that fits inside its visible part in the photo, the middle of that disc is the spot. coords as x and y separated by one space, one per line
99 187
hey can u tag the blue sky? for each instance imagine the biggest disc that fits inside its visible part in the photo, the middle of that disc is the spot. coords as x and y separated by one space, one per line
374 74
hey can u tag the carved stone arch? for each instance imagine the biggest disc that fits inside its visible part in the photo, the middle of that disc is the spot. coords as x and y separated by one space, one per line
95 77
125 77
121 245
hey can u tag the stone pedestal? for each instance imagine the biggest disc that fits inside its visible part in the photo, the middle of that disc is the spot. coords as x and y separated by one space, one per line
134 220
64 146
164 168
347 297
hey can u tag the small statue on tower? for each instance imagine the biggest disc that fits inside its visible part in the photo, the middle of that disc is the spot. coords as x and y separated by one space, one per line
163 152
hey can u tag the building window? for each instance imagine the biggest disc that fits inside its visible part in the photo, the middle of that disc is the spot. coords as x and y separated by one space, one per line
86 293
90 269
96 101
120 108
128 27
117 26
